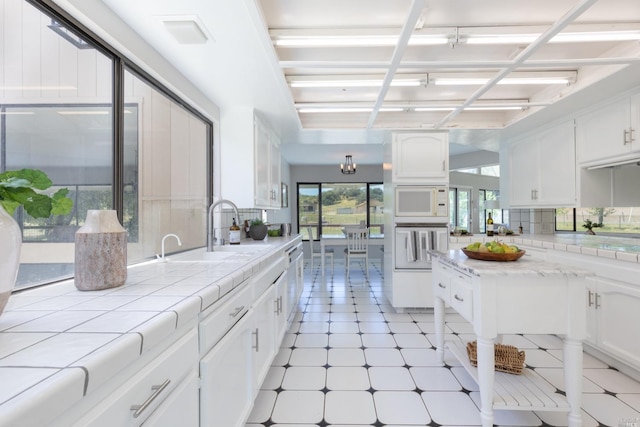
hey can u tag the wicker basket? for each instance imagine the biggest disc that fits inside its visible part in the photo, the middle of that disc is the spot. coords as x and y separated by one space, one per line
507 357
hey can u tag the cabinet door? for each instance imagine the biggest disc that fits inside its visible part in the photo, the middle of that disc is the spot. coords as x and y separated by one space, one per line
282 315
523 171
418 156
274 172
557 166
180 408
264 313
618 313
600 134
226 395
262 149
592 313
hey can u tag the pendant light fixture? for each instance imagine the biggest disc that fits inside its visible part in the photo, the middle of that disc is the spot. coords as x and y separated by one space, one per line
348 167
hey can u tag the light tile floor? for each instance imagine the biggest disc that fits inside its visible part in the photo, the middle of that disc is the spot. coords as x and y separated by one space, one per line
350 360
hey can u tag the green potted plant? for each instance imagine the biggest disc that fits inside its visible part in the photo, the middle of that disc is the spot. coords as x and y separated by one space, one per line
590 225
21 188
258 229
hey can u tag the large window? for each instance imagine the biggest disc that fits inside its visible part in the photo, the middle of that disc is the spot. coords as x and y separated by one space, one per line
328 207
607 220
460 208
116 141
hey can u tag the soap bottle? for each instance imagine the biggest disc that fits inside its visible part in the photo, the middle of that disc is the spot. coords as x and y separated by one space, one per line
234 234
246 228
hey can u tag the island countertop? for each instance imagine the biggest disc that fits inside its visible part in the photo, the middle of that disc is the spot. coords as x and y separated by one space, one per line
523 266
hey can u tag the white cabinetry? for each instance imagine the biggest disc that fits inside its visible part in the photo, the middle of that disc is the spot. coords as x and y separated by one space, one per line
250 160
420 157
264 313
157 385
542 168
226 394
609 133
615 305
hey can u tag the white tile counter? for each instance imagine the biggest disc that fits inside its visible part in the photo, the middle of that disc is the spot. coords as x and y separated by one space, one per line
620 248
57 343
524 266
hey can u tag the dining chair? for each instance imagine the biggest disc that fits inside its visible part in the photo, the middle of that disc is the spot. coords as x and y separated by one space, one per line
316 251
357 248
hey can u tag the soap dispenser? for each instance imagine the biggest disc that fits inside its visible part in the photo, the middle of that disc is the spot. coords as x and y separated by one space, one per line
234 233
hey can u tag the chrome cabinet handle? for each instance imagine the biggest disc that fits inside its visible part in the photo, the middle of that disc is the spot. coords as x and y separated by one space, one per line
590 298
237 311
157 389
257 335
456 296
597 300
441 285
631 136
624 136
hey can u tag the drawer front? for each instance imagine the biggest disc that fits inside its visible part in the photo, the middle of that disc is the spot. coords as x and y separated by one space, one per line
462 296
221 317
132 403
442 282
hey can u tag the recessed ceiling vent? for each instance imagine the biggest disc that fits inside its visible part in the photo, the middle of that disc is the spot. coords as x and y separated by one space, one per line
186 29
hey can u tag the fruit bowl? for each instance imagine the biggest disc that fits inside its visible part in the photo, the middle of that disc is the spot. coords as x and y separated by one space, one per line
492 256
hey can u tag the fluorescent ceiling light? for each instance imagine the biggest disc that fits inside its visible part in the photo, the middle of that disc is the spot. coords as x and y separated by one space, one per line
591 36
358 41
346 110
452 81
352 83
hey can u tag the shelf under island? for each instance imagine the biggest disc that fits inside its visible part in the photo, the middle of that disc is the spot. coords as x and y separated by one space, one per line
525 296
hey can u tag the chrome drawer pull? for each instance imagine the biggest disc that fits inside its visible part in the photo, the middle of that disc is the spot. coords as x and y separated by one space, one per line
238 311
257 335
157 389
441 285
458 298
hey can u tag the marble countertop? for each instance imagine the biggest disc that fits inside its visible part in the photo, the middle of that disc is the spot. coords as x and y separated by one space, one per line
523 266
57 343
620 248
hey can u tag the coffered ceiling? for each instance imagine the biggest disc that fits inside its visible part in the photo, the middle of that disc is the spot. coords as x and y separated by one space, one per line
337 72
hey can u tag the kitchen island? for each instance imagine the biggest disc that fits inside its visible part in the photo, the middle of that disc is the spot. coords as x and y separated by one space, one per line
526 296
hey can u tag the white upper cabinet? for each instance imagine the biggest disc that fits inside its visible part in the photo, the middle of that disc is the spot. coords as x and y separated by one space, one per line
609 133
420 157
542 168
250 160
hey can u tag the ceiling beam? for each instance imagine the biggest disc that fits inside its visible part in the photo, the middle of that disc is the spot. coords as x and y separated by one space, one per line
414 15
531 49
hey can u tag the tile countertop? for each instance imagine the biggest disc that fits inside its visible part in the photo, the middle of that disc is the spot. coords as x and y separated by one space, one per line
620 248
57 343
524 266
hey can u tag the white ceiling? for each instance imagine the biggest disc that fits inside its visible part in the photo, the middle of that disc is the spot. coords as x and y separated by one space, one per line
239 65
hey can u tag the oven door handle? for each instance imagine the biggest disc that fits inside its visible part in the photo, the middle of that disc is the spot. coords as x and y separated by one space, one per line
410 246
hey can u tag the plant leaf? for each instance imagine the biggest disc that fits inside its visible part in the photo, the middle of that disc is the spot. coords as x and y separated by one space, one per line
38 206
9 205
61 205
26 178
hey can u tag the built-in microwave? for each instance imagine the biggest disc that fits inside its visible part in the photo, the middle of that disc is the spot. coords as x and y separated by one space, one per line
420 203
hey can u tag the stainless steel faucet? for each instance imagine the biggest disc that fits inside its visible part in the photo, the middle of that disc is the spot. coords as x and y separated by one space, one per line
211 239
161 258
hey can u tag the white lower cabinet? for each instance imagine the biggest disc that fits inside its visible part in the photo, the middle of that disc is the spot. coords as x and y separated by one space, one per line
181 407
226 393
160 386
615 305
263 347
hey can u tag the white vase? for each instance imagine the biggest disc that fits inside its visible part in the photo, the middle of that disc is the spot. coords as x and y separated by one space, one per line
10 245
100 252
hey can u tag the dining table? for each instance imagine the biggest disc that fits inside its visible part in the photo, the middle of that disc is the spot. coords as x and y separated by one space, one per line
341 240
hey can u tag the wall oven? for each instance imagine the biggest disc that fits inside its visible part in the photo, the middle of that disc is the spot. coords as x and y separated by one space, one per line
413 242
421 204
